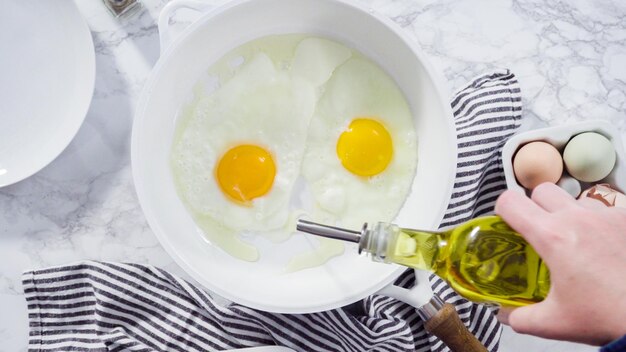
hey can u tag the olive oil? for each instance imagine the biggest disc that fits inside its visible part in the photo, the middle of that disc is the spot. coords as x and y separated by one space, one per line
483 259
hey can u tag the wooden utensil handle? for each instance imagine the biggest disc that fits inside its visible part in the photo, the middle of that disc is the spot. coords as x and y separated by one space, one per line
447 326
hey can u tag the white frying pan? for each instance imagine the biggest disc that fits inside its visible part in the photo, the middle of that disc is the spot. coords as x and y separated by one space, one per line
261 285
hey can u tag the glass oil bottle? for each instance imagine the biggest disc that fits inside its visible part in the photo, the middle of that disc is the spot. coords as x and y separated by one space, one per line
483 259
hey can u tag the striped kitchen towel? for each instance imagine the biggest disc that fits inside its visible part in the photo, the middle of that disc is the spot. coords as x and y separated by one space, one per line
98 306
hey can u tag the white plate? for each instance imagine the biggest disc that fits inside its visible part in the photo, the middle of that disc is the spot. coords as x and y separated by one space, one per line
47 70
261 285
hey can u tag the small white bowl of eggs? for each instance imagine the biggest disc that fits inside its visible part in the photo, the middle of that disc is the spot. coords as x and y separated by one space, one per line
577 157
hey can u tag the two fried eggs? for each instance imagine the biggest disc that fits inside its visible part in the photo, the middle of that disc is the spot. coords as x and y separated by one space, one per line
288 125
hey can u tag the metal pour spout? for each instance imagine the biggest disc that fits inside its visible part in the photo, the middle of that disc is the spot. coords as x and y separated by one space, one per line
329 231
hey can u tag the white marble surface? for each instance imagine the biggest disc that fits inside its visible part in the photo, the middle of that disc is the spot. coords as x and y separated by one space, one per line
569 56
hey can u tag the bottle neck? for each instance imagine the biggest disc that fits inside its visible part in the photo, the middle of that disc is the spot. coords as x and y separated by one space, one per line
375 240
385 242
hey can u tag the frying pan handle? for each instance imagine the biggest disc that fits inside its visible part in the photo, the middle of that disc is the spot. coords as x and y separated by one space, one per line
416 296
449 328
441 320
165 35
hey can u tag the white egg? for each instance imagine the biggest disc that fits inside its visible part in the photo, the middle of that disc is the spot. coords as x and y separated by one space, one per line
259 106
360 90
570 185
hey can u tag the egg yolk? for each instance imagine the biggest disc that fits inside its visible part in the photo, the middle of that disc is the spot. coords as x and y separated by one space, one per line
365 148
245 172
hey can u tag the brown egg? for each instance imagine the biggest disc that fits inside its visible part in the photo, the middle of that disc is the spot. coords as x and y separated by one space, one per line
536 163
606 194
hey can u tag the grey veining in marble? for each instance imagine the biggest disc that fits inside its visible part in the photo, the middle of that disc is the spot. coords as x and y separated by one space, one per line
570 58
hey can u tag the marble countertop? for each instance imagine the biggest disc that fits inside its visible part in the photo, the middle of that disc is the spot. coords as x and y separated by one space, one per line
569 57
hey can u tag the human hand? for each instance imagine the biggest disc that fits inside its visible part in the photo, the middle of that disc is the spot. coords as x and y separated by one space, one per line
583 243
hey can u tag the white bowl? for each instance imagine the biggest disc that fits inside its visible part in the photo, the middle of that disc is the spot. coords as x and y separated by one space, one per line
47 74
260 285
558 136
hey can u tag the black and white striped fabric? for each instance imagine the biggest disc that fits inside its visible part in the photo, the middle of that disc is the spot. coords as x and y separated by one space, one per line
98 306
487 112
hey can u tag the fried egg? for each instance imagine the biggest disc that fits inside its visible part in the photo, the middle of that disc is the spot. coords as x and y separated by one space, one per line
238 153
238 149
361 152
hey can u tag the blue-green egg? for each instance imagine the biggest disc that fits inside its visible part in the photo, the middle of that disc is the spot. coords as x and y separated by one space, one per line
589 157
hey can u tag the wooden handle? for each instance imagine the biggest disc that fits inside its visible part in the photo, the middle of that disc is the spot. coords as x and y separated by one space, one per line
447 326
